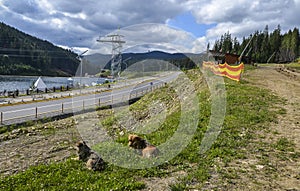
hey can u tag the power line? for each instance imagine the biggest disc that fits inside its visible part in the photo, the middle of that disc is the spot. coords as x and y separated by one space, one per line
30 50
35 56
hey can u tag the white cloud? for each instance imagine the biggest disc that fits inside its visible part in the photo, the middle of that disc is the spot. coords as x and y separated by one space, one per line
76 23
152 36
243 17
79 23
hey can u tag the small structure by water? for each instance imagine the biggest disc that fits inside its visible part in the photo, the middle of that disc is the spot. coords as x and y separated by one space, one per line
39 84
70 82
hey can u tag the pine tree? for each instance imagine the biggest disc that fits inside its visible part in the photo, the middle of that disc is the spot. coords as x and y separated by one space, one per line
236 46
295 42
265 47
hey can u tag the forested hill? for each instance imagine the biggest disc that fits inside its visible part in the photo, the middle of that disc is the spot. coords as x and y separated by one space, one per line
22 54
264 46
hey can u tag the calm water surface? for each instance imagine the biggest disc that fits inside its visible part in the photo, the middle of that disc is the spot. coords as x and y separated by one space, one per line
10 83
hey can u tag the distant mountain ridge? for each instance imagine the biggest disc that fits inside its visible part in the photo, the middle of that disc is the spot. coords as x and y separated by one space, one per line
96 62
22 54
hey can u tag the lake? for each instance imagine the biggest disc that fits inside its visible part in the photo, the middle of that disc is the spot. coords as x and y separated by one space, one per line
11 83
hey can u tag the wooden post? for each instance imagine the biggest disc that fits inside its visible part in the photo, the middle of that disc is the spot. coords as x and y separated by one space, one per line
1 118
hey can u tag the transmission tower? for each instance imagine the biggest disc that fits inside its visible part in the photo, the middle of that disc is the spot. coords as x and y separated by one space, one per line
116 56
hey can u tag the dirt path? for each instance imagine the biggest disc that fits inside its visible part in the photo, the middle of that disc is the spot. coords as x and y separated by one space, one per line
268 166
287 86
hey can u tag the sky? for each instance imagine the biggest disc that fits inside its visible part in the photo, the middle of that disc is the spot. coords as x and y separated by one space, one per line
167 25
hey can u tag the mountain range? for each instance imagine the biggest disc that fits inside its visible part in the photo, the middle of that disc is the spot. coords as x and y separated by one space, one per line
96 62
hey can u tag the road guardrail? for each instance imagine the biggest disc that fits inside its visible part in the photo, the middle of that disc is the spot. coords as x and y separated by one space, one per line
34 113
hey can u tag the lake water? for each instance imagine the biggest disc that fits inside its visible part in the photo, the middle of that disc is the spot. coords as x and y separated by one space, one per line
11 83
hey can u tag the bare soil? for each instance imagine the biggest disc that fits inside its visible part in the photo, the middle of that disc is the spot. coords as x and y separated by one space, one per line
39 144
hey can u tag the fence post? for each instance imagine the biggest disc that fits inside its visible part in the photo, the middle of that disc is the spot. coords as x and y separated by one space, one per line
36 112
1 118
62 107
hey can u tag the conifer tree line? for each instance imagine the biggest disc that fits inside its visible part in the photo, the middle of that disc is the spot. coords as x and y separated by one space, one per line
22 54
264 46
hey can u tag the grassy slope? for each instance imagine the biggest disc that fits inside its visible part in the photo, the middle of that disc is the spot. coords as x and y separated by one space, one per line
295 65
247 108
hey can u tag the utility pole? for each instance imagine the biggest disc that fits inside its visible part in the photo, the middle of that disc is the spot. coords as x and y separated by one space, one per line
80 57
116 57
240 58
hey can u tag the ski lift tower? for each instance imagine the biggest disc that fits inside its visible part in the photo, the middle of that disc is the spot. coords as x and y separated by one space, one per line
116 57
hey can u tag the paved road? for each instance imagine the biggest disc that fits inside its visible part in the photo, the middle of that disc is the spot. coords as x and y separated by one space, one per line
37 110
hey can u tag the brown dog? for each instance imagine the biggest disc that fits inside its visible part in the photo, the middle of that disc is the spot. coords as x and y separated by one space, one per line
83 151
95 162
92 159
145 149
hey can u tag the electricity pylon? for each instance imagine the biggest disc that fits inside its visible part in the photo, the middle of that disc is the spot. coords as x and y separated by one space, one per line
116 56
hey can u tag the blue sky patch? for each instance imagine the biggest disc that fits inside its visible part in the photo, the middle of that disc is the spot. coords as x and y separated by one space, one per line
187 22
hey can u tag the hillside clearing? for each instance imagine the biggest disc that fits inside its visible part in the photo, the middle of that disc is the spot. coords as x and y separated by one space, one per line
258 147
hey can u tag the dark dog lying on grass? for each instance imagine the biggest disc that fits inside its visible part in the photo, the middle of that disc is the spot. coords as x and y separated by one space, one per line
92 159
146 149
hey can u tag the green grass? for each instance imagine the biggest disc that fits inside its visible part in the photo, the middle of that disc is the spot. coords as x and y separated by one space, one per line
294 65
248 109
283 144
71 175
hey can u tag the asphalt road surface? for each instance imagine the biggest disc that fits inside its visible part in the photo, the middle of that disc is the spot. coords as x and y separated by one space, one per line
49 108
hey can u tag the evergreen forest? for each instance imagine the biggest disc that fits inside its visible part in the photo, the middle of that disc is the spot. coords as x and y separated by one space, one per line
22 54
263 46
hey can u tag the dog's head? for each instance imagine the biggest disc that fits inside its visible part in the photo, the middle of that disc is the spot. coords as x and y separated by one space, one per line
136 142
80 144
83 150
